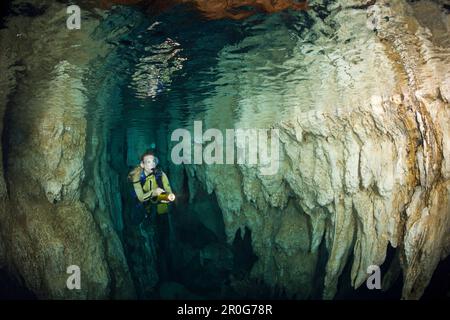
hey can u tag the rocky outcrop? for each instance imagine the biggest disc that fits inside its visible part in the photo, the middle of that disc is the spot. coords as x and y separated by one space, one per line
365 151
361 91
44 227
214 9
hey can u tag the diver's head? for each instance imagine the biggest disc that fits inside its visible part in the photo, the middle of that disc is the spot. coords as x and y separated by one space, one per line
148 161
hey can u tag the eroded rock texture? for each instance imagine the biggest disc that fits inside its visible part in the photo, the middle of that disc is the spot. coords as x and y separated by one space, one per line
213 9
365 151
44 226
362 110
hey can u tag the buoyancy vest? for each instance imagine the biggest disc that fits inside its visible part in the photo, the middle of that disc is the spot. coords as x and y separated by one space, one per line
146 182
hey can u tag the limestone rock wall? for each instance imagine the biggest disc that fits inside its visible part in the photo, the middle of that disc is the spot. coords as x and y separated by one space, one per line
364 155
44 227
363 115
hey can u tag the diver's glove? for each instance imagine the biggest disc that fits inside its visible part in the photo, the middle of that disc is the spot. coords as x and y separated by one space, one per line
157 192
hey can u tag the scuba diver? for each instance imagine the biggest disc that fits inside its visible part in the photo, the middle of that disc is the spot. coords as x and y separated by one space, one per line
152 190
151 184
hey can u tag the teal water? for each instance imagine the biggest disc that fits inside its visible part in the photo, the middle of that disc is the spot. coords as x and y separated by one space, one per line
163 72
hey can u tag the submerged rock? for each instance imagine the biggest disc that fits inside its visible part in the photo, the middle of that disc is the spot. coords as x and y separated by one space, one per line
364 156
362 110
44 227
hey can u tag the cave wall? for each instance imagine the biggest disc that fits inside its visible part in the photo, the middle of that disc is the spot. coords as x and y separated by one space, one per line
365 152
45 227
364 148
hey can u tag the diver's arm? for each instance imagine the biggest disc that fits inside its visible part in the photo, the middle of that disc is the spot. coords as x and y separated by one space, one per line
140 193
166 183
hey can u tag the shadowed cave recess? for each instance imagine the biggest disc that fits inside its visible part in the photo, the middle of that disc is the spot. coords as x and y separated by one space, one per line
358 91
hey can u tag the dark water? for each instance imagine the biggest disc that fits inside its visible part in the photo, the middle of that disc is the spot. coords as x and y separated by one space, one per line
12 289
163 73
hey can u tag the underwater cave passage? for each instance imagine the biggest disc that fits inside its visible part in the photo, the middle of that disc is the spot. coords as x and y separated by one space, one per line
106 100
